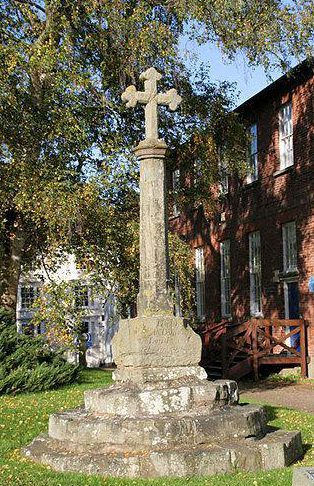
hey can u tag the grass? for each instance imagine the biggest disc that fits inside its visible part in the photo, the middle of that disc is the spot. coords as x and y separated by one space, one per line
23 417
293 378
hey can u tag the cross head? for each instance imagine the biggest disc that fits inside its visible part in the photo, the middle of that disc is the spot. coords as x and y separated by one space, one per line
151 99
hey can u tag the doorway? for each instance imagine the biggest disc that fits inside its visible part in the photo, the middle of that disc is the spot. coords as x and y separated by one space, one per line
292 309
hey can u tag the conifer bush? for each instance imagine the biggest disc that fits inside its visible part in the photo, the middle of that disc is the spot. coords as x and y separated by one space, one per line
27 363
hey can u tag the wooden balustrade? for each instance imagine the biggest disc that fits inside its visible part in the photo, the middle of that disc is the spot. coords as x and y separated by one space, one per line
245 347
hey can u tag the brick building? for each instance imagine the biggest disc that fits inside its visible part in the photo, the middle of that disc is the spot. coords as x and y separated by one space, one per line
255 257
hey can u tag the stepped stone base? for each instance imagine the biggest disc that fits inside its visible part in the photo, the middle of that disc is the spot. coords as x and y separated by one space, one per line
182 428
162 420
276 450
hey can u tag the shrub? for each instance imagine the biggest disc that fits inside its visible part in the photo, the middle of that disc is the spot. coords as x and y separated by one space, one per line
28 363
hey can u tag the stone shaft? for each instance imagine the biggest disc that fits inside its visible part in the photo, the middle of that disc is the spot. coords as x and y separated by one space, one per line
153 298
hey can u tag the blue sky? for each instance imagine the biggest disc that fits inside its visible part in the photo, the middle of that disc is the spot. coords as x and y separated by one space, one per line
249 81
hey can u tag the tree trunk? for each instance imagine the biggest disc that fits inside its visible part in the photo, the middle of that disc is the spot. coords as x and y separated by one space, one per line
10 265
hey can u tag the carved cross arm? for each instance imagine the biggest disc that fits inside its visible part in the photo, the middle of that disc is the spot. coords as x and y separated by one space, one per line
170 98
131 97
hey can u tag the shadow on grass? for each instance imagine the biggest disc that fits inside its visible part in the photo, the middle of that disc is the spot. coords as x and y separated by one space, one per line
95 375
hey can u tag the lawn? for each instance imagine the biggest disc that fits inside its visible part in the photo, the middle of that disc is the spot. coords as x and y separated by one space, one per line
23 417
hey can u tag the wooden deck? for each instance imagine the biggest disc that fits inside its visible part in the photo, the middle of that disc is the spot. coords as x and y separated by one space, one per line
235 350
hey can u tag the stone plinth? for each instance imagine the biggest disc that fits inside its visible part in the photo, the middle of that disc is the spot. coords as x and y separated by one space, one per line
155 349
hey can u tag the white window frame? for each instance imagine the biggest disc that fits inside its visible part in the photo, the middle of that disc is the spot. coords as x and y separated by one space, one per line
82 296
289 240
225 280
286 136
253 155
28 294
255 274
200 283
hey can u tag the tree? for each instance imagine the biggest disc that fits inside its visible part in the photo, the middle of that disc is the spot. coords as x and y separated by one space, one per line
65 138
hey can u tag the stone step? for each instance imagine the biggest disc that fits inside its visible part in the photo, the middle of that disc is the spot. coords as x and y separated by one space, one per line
278 449
79 427
181 395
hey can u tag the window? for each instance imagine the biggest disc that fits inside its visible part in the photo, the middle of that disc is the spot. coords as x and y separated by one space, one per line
285 136
225 284
28 296
175 190
255 274
289 239
81 296
253 167
200 283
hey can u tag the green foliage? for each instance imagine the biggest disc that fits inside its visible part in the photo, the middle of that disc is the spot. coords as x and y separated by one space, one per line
182 271
59 307
68 177
29 364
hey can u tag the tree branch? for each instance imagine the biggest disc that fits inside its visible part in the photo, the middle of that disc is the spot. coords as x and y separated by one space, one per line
32 4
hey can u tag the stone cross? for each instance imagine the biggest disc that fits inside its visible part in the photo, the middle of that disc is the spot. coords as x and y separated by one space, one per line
153 298
151 99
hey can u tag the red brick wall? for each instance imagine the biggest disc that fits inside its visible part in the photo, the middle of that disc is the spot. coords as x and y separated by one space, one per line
264 206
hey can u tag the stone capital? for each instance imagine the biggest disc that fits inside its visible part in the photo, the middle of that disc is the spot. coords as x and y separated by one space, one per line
151 149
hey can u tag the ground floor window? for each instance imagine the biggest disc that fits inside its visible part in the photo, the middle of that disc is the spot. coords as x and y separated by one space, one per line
255 273
225 283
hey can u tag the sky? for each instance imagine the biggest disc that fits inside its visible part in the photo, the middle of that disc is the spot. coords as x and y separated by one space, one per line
249 81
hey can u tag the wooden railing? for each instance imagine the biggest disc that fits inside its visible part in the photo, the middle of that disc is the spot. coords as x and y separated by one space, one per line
242 348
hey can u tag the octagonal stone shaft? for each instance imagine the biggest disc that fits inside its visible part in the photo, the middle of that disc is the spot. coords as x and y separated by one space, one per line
153 298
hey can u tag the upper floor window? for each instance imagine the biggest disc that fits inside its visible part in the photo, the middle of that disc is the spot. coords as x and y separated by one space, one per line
253 167
285 136
28 296
289 238
225 278
200 283
81 296
255 273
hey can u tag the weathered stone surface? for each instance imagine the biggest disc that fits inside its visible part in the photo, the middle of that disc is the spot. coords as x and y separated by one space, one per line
155 398
153 297
303 476
155 342
80 427
280 447
146 375
206 459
